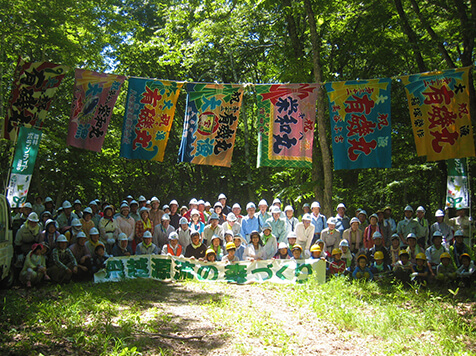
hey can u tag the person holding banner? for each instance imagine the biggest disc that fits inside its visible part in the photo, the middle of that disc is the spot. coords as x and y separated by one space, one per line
147 247
173 248
196 249
254 250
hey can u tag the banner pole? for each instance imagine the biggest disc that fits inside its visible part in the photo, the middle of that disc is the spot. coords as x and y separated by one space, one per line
7 180
470 217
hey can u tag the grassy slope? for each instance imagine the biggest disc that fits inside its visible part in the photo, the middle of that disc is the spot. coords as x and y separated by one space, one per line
131 317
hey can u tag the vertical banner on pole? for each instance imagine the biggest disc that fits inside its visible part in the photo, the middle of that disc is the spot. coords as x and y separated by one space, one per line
457 192
26 151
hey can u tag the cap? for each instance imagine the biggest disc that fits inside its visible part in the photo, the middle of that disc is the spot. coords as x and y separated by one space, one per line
48 200
201 202
143 209
218 204
88 210
77 201
420 208
439 213
193 201
214 216
344 243
411 235
125 206
292 235
142 198
155 199
331 221
408 208
267 226
276 201
354 220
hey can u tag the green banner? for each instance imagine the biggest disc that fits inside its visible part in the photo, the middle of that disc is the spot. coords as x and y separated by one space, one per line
26 151
168 268
457 193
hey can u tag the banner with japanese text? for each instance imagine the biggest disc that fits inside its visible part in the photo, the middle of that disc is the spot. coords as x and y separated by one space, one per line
211 119
150 110
360 123
34 87
167 268
24 159
95 95
457 192
439 110
286 117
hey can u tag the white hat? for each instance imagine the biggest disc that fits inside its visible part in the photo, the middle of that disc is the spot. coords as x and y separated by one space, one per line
229 232
122 237
147 235
81 234
155 199
263 202
165 207
173 236
33 217
282 245
201 202
125 206
218 204
48 200
331 221
193 201
141 210
142 198
354 220
288 208
420 208
315 205
439 213
76 222
88 210
93 202
292 235
129 197
231 217
276 201
61 238
183 221
173 202
207 203
165 217
376 235
275 210
250 205
408 208
67 205
194 212
77 201
27 205
93 231
307 217
134 202
341 205
221 196
236 205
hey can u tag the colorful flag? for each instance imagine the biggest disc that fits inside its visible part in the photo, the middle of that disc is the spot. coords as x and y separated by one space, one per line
360 123
439 110
457 192
150 109
34 86
24 159
211 119
95 95
286 117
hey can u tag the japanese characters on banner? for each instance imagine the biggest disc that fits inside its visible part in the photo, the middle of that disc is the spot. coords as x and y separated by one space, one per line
211 119
95 95
34 86
286 117
360 123
167 268
439 110
457 192
150 109
24 159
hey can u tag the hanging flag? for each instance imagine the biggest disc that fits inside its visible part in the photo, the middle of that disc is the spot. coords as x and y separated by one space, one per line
439 110
211 119
457 192
286 117
24 159
150 109
360 123
95 95
34 86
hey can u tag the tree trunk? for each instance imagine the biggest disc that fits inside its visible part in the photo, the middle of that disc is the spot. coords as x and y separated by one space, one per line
321 119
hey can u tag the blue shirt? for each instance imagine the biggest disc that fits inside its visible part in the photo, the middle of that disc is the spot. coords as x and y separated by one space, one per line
319 222
248 225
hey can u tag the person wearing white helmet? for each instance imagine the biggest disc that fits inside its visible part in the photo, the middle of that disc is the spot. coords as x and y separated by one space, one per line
269 241
305 232
142 201
330 235
95 209
27 235
277 224
173 248
379 246
108 229
407 225
262 214
236 209
155 213
442 227
77 208
125 223
222 199
82 256
134 205
66 217
162 232
93 241
342 220
72 233
174 214
86 221
49 234
212 229
434 252
461 222
122 248
203 211
218 209
459 247
423 228
318 220
413 248
354 235
249 223
183 232
147 247
193 205
289 219
195 222
231 224
64 263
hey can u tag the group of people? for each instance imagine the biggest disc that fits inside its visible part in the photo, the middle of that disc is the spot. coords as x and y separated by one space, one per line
74 241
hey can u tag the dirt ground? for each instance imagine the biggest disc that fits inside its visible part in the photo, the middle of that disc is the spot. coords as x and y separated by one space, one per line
249 320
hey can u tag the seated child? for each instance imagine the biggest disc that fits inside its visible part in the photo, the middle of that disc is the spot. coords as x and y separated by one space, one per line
99 258
34 268
421 269
337 266
228 236
361 271
466 271
297 252
291 242
323 248
210 255
347 256
378 267
316 252
282 253
230 256
64 263
403 268
445 272
240 247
